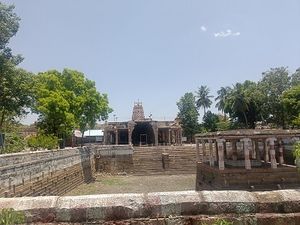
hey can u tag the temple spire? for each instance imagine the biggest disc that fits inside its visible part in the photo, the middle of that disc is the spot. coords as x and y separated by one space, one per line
138 111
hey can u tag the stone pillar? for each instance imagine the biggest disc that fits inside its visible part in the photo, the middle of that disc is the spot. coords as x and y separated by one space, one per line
111 137
272 152
215 145
155 131
129 136
221 154
169 139
211 156
247 152
180 136
105 137
234 150
198 150
266 151
281 149
253 149
131 125
257 149
228 150
117 136
203 151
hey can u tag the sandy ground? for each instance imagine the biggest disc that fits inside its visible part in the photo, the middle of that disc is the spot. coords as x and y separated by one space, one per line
107 184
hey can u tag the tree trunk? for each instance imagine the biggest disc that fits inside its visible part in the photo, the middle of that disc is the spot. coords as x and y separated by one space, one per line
2 120
82 138
245 119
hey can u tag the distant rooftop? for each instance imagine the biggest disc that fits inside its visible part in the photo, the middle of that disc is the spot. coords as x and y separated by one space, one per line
93 133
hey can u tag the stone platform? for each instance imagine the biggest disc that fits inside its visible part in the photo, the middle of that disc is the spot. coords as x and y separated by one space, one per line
259 178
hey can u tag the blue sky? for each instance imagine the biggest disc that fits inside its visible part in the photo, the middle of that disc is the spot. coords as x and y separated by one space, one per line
157 50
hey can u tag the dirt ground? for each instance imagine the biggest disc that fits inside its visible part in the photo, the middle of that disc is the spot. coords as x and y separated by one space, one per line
107 184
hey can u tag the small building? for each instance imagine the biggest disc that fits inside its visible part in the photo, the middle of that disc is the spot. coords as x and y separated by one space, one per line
93 136
246 159
141 131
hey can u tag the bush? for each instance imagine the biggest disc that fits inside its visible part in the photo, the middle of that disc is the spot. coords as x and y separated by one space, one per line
296 151
11 217
42 141
14 142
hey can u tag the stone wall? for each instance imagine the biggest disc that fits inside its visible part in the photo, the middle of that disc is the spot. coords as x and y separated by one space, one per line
188 207
261 178
155 160
45 172
113 159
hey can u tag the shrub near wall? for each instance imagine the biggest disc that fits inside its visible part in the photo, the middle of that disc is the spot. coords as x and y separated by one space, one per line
42 142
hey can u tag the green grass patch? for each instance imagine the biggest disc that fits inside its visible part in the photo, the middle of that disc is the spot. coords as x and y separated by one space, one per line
112 181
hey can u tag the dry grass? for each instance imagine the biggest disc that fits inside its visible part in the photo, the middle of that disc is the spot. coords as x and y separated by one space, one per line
107 184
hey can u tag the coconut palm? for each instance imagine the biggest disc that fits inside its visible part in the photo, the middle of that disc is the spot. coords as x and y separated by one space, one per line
239 102
221 98
203 98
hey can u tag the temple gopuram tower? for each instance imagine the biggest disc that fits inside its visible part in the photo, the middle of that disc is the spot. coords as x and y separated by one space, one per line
138 112
141 131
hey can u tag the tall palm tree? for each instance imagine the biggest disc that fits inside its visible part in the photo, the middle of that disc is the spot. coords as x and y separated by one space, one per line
240 102
221 98
203 98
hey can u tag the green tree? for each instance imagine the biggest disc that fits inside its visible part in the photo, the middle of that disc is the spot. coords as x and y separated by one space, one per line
237 104
52 104
15 93
210 121
274 82
221 98
9 25
188 115
295 78
203 98
224 123
15 84
291 102
67 100
243 103
87 104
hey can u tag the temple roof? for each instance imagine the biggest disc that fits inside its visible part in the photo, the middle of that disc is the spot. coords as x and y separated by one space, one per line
253 133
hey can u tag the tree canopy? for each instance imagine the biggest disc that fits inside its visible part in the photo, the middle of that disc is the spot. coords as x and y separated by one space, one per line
274 82
15 83
210 121
68 100
273 101
291 102
188 115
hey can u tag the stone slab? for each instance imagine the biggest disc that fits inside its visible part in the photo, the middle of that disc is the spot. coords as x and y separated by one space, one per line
114 207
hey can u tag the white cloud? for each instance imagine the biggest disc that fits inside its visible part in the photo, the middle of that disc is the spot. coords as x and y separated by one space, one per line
203 28
226 33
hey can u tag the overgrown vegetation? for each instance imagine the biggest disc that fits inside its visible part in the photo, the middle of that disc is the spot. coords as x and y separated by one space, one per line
11 217
42 141
296 151
14 142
